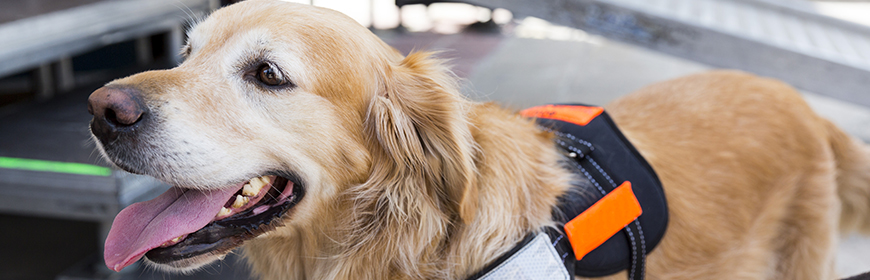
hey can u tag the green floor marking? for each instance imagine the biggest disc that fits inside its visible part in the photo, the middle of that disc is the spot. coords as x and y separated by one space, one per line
54 166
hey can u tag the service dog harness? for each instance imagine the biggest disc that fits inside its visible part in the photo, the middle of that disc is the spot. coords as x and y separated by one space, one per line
609 223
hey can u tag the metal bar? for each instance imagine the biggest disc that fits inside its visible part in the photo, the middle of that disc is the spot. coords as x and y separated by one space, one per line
44 81
144 53
29 42
64 73
175 40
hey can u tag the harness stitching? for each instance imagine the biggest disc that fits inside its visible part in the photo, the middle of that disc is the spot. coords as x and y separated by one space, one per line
642 246
633 253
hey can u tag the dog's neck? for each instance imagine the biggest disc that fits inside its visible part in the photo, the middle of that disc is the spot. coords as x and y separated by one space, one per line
517 180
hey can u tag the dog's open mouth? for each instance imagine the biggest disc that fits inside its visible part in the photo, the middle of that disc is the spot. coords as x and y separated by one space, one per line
182 224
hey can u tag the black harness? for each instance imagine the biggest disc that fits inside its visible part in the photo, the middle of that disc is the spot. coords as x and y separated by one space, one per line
596 150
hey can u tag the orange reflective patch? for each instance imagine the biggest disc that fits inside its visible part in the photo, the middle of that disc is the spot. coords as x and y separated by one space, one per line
605 218
580 115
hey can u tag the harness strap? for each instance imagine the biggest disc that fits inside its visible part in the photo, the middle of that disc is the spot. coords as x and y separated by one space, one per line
580 151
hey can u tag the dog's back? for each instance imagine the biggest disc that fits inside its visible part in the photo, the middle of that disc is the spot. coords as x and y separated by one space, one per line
754 177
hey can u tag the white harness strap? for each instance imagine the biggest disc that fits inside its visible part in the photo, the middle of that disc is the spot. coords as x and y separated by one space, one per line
538 260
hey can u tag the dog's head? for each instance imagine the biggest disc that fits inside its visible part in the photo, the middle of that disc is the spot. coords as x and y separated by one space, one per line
277 113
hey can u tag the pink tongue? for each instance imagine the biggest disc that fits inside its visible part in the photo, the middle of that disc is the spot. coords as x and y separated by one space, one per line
147 225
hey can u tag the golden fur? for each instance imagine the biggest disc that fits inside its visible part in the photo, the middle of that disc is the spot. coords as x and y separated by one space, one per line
407 179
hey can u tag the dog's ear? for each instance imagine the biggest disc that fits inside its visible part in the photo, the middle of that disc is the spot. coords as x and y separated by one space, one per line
418 122
422 176
421 182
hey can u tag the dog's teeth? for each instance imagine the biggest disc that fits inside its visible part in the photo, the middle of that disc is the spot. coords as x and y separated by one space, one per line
240 201
257 184
224 212
265 180
249 190
176 239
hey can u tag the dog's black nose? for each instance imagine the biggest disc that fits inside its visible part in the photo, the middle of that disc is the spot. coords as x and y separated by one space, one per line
116 110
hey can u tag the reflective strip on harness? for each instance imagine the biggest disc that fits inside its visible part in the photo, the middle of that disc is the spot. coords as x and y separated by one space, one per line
602 220
537 260
580 115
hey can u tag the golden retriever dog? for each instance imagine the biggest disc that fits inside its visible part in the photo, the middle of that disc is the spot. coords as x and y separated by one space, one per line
296 134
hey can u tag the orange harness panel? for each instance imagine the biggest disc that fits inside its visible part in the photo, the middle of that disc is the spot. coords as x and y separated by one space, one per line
602 220
580 115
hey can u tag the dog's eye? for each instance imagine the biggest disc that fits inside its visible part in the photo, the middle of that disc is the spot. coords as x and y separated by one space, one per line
269 76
